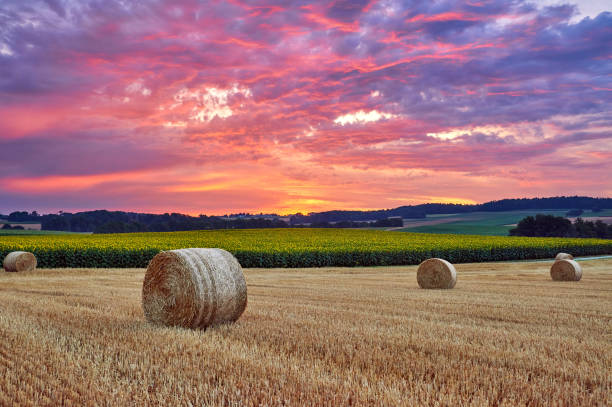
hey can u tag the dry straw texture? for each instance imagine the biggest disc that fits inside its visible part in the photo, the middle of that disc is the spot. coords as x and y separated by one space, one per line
194 288
314 337
566 270
19 261
436 273
564 256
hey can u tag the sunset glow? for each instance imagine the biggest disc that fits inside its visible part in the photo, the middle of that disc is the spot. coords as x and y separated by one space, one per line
261 106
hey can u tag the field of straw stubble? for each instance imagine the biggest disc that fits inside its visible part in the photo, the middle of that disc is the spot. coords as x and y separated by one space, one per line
506 335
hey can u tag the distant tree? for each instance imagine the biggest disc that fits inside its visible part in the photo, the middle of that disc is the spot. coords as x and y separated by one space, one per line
80 223
557 202
584 229
558 226
543 225
18 216
136 227
55 222
116 226
7 226
602 230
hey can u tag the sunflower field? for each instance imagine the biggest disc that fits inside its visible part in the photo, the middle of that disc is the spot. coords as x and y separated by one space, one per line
294 247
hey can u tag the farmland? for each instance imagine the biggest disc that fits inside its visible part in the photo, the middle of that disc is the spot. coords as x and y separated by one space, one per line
506 335
294 247
484 223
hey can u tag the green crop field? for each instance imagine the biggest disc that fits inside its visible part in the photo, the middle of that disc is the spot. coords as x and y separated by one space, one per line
294 247
480 223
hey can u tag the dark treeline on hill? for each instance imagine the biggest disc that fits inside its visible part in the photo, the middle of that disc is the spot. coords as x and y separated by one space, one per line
7 226
560 202
102 221
419 211
558 226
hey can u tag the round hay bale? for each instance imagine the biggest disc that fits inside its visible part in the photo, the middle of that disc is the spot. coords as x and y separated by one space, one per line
19 261
436 273
563 256
566 270
193 288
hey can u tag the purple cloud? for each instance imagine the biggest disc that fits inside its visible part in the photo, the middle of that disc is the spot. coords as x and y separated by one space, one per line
188 86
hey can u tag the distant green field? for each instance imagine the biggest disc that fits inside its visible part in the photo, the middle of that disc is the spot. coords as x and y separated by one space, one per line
462 228
604 212
482 223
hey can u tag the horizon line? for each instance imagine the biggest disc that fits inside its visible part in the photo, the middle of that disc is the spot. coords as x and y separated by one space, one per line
284 214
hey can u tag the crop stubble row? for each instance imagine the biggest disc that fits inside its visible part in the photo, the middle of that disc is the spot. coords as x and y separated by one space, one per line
507 335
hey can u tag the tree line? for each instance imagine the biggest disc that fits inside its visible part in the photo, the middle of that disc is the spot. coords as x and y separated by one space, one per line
420 211
558 226
103 221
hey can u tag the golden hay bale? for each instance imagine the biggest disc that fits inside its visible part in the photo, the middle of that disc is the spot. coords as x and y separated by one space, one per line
562 256
436 273
566 270
193 288
19 261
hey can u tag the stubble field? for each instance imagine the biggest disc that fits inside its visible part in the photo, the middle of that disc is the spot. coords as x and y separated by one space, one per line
506 335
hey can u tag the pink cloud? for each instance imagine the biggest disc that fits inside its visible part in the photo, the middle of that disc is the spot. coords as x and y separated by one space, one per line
245 105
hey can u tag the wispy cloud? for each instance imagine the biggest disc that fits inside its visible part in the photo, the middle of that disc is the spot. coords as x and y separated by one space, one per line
362 117
356 104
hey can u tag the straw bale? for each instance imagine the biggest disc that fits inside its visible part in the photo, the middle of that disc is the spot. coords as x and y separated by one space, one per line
436 273
562 256
566 270
19 261
194 288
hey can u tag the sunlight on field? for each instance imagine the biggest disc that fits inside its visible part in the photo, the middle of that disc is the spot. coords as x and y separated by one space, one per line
506 335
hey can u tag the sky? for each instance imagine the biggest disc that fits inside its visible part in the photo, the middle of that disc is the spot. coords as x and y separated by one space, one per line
219 107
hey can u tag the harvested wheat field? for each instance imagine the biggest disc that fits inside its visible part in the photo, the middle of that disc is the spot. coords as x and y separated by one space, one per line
505 335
